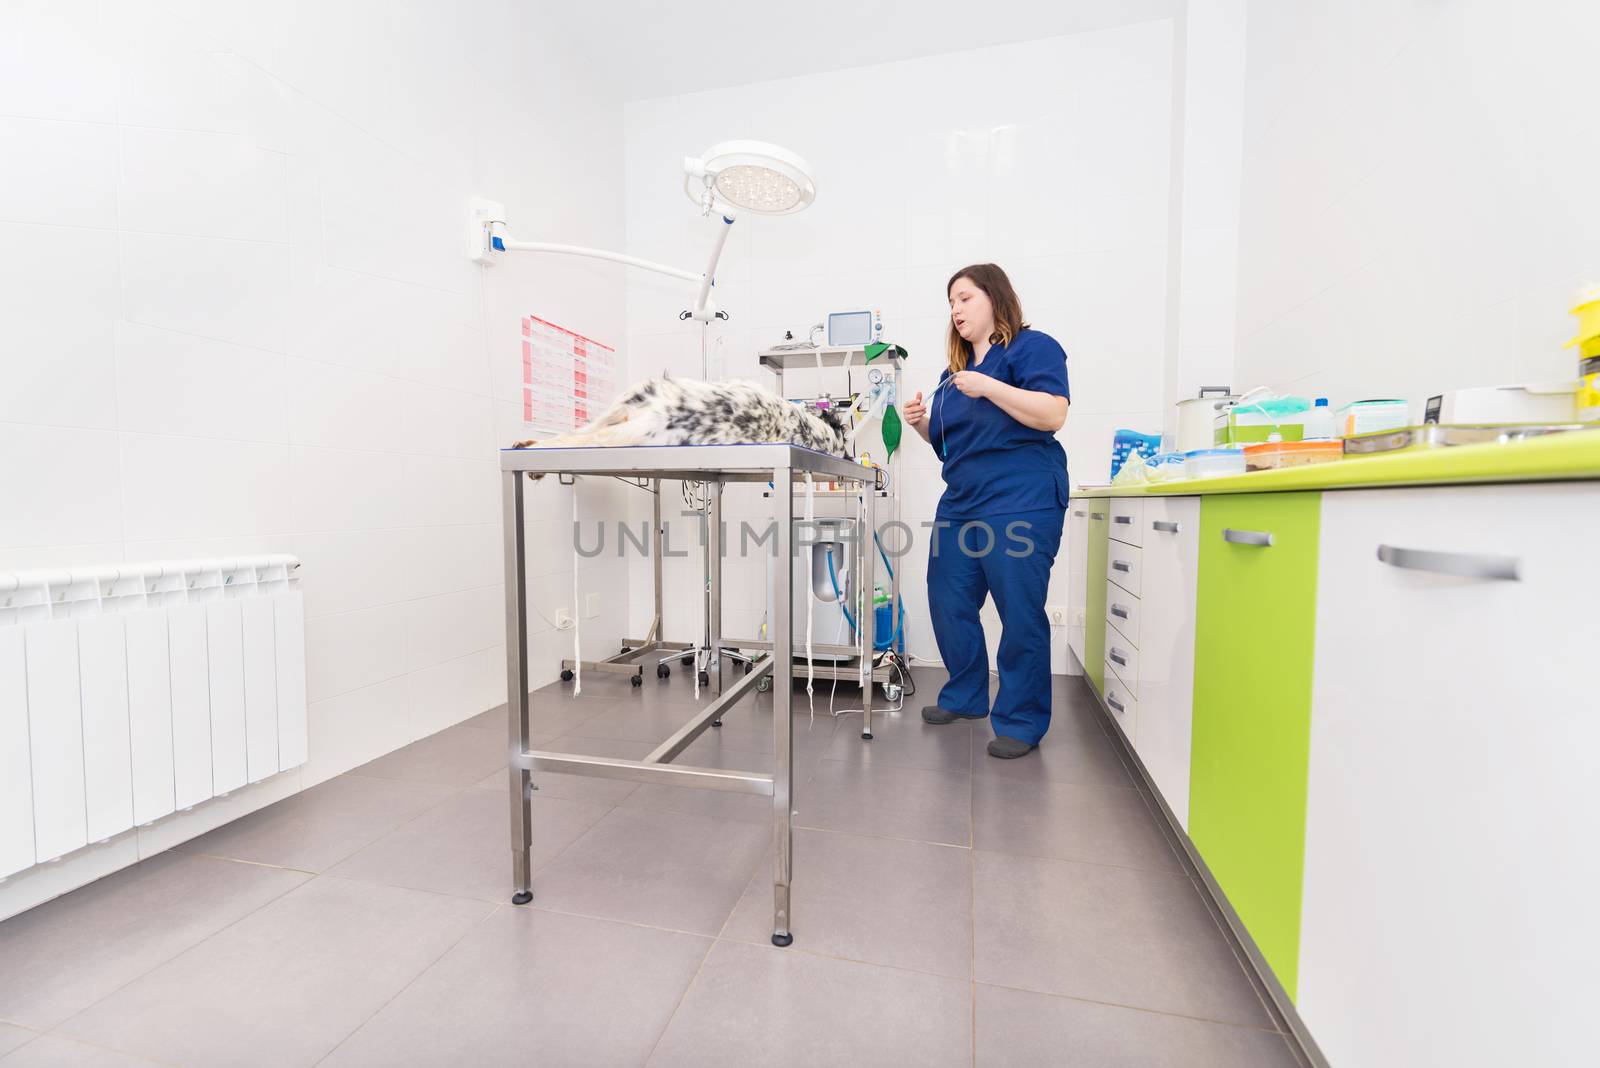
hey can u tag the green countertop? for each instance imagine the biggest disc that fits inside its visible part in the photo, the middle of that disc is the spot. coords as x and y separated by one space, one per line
1553 458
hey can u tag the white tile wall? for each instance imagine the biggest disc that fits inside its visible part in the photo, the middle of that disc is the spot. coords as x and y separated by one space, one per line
235 315
1049 157
1417 196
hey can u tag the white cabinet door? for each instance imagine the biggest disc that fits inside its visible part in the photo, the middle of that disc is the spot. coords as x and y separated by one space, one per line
1170 531
1077 574
1450 873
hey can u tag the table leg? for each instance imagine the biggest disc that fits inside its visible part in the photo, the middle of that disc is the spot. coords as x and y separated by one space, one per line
782 693
517 687
714 577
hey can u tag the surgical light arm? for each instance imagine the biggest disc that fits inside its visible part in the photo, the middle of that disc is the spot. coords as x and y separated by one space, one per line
491 237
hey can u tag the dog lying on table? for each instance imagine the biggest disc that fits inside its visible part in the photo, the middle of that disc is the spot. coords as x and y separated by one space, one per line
687 411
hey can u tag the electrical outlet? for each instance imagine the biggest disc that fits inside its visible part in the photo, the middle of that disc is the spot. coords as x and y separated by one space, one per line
563 618
1057 614
591 606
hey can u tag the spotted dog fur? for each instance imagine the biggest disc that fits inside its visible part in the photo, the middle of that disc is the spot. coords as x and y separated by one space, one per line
686 411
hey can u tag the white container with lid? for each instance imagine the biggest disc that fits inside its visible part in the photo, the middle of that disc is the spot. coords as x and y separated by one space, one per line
1213 463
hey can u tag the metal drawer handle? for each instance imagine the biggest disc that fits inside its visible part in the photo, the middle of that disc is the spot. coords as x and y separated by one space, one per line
1079 512
1246 537
1165 526
1097 515
1119 611
1466 565
1118 659
1123 519
1121 565
1114 703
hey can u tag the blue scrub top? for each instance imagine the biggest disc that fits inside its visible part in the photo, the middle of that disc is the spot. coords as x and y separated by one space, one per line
993 465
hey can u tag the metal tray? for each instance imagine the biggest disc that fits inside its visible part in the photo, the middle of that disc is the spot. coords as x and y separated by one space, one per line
1435 435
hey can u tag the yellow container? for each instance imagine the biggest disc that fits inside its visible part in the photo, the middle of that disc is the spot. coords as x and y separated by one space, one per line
1589 389
1588 312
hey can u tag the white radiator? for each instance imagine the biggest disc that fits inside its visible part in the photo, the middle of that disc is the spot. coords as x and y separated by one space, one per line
131 692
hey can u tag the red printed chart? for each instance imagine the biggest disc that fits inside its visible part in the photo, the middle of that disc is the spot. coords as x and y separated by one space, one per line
566 377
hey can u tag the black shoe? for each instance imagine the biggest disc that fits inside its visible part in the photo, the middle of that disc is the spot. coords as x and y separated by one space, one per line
940 716
1009 748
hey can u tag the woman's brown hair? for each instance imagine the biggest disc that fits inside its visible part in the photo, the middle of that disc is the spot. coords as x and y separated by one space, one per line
1007 310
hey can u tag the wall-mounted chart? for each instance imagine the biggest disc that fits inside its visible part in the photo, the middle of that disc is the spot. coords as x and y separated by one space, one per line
566 377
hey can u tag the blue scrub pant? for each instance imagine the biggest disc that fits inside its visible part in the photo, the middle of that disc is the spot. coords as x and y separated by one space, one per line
960 576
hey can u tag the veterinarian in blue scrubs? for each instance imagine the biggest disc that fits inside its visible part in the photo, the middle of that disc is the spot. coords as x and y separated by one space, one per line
992 422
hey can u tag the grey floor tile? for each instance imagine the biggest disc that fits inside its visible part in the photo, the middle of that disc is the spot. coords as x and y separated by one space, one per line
635 723
571 787
693 801
456 756
549 713
899 903
658 868
316 828
12 1036
1018 1029
54 1051
535 987
1101 824
1118 935
901 742
606 747
928 806
652 693
1074 757
66 954
286 984
463 846
759 1005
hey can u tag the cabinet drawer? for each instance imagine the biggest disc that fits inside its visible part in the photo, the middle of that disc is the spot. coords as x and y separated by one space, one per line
1127 520
1124 660
1123 704
1123 566
1122 612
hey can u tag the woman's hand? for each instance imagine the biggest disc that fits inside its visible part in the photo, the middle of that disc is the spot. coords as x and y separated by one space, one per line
974 383
915 413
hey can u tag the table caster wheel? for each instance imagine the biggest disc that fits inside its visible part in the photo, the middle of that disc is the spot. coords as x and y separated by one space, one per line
636 680
566 675
891 691
522 897
749 667
662 671
705 679
625 648
686 659
764 684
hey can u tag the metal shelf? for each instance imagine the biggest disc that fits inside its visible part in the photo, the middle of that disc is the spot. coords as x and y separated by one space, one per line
780 360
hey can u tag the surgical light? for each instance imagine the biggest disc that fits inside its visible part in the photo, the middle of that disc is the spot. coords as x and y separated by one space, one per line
749 176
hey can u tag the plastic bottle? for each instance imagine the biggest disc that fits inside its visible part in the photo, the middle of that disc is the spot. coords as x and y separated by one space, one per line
1319 421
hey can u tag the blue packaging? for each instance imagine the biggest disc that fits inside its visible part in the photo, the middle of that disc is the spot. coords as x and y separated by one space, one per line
1126 442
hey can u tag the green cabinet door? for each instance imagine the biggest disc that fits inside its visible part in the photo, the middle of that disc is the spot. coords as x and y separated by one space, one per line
1254 634
1094 600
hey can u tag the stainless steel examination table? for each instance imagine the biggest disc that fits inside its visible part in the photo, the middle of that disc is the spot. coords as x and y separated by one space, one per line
780 464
